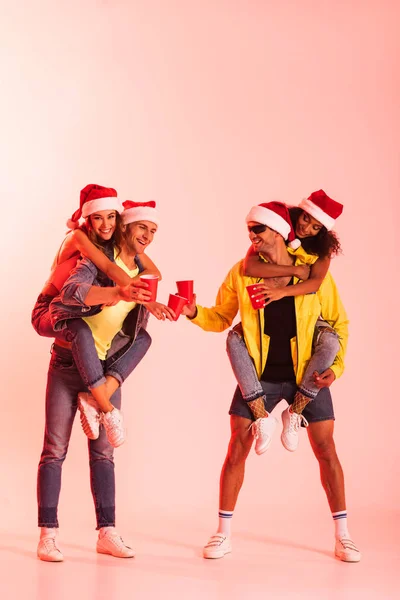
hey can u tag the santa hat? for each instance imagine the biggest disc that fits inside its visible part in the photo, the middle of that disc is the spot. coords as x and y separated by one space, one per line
140 211
93 199
276 216
322 208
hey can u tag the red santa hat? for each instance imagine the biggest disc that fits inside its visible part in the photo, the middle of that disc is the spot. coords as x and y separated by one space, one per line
93 199
140 211
322 208
276 216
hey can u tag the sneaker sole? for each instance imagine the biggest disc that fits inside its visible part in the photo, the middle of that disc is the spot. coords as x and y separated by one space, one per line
287 447
49 559
263 449
87 429
101 551
217 554
342 558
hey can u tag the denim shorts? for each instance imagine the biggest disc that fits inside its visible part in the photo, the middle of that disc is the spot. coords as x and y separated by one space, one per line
320 409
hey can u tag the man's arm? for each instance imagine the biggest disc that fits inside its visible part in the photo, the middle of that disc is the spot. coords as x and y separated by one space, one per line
79 291
219 317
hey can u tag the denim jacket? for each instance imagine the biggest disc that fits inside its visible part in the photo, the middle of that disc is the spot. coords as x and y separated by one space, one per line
70 303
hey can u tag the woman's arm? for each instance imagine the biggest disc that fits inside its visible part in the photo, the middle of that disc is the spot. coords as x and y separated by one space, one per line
104 264
317 275
79 290
149 267
254 267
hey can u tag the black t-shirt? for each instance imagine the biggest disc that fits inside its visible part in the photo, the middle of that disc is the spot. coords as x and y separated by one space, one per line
280 325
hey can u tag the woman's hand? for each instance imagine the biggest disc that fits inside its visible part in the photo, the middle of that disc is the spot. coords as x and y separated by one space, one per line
190 310
302 272
324 379
269 294
160 311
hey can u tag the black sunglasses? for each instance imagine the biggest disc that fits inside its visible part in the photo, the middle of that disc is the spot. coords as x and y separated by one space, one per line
257 229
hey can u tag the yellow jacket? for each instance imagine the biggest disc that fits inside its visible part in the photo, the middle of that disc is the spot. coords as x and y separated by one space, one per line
233 297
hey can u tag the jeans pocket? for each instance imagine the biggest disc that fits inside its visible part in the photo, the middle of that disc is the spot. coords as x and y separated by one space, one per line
62 363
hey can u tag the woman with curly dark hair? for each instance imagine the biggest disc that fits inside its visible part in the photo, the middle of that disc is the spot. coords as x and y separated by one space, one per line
312 221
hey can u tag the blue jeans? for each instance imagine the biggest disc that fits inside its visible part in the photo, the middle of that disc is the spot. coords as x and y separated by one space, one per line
91 369
63 385
78 333
325 348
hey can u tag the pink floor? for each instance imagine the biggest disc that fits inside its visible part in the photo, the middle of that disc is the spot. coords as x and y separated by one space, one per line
293 560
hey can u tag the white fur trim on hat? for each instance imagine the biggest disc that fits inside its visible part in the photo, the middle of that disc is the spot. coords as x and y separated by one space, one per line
72 224
140 213
265 216
109 203
317 212
294 244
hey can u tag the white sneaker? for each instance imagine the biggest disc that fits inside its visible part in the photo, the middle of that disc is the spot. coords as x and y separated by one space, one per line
218 545
346 550
114 426
90 415
112 543
291 424
48 551
263 430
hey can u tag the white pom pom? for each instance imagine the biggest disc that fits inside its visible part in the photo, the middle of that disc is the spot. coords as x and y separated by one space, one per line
296 243
72 224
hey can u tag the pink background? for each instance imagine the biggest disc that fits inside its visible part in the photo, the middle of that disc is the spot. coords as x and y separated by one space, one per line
208 108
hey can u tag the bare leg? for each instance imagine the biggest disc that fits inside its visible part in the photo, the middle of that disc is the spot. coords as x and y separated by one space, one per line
320 435
232 473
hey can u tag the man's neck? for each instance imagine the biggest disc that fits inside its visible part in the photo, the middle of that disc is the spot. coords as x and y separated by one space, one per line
278 255
127 255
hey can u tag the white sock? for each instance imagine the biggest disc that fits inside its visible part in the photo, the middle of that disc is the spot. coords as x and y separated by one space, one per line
340 520
103 531
48 532
224 523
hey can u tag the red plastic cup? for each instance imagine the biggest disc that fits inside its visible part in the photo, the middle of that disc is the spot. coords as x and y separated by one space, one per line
185 289
177 303
152 282
256 303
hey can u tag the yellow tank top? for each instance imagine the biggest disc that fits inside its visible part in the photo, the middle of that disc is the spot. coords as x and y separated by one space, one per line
106 324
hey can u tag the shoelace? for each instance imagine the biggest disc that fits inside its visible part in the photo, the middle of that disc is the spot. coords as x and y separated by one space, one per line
257 428
50 544
117 541
112 422
295 422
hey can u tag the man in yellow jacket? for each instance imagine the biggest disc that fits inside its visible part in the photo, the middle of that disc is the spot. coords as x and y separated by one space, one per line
290 333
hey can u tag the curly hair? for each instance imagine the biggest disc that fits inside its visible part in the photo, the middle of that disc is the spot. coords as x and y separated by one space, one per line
325 244
117 237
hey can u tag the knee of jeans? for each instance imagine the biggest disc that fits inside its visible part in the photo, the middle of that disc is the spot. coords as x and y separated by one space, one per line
233 340
53 451
329 339
102 452
146 338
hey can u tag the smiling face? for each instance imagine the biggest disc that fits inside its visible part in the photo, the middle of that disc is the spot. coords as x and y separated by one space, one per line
261 236
103 223
139 235
307 226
